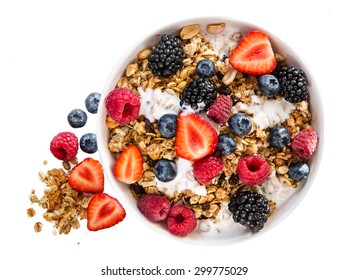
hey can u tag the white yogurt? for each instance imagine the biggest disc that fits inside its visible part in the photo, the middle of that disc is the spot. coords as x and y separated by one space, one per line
222 223
155 103
266 112
274 189
184 180
223 41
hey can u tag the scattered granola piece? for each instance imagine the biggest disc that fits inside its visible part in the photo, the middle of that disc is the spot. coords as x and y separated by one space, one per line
37 226
31 212
64 206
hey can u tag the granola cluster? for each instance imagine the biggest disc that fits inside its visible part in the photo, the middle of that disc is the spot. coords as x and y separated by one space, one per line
146 136
63 206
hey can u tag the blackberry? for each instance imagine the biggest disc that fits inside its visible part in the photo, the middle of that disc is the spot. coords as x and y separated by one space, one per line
293 83
199 94
249 209
166 57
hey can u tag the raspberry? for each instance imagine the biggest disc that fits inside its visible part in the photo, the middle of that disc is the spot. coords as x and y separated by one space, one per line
220 110
122 105
305 143
207 168
253 170
181 220
64 146
154 207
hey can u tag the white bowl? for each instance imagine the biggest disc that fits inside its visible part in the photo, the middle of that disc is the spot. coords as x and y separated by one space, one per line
122 191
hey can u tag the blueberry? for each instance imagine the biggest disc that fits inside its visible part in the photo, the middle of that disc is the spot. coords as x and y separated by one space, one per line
227 145
88 143
92 102
298 171
77 118
269 85
205 68
165 170
279 137
240 124
167 125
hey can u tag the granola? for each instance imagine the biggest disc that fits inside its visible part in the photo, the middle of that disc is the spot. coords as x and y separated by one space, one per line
209 202
63 206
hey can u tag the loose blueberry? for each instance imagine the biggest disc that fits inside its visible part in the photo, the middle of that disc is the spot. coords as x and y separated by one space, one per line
77 118
240 124
92 102
298 171
269 85
227 145
165 170
167 125
279 137
205 68
88 143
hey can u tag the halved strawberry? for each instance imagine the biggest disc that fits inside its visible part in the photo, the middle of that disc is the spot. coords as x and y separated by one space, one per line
253 54
87 176
104 211
129 165
195 137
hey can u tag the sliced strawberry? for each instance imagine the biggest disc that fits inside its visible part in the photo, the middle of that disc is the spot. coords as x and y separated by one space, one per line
129 165
87 176
195 137
253 54
104 211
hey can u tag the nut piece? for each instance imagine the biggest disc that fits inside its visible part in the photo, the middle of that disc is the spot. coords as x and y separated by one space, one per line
189 31
144 54
215 28
282 169
111 123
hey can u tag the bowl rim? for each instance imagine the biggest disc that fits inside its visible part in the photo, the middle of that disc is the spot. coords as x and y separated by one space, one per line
125 59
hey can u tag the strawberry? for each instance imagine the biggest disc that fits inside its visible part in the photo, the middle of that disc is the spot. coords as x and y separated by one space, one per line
195 137
104 211
253 54
87 176
129 165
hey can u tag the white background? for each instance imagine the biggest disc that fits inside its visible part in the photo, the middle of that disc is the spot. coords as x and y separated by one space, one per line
54 53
